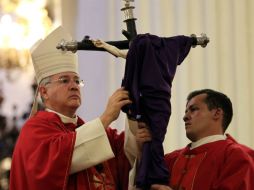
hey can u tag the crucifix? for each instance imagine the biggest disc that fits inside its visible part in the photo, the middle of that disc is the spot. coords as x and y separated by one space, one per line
151 63
130 34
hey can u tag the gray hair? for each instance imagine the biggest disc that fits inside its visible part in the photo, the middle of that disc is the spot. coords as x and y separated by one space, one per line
44 82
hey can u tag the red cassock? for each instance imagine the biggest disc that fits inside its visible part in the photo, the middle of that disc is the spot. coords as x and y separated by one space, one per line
43 154
220 165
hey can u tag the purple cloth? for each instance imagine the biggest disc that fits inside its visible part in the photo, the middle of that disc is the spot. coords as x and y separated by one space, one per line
150 68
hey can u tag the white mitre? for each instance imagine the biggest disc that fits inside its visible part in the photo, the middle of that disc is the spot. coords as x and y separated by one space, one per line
48 60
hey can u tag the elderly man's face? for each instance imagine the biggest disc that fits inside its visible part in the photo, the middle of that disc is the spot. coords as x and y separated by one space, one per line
63 93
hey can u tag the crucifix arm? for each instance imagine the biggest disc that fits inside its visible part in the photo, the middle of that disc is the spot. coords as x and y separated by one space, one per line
110 48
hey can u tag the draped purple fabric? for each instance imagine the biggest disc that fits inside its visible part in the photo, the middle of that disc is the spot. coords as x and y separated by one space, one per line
150 68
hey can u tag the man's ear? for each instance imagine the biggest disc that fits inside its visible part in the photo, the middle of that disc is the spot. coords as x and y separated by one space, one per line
43 92
217 113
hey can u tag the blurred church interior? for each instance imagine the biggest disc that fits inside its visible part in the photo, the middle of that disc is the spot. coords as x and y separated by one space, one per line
226 64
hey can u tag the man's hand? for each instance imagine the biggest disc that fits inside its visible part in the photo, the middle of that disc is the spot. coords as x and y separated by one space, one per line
143 135
160 187
119 99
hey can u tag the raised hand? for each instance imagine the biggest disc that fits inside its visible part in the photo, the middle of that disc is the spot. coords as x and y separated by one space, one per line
118 99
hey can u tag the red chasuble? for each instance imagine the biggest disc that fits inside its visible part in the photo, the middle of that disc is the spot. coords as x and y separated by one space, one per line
43 153
220 165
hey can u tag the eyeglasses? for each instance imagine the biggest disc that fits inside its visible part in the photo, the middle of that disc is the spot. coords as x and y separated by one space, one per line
67 81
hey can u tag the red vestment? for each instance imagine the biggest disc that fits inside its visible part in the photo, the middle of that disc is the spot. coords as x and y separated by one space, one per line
43 154
220 165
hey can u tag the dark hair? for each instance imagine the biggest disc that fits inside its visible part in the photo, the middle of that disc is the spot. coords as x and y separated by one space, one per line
216 99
